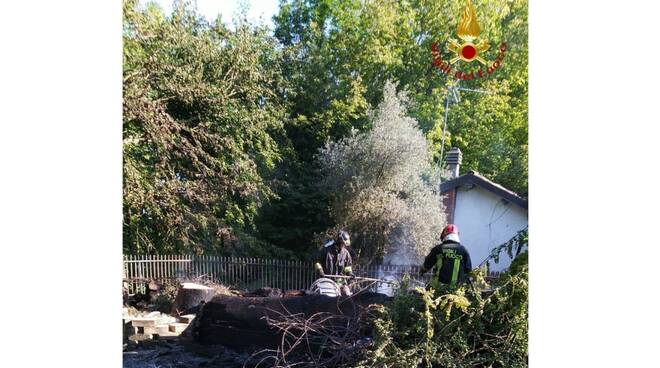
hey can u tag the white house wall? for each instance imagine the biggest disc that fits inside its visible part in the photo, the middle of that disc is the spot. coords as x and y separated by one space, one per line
486 221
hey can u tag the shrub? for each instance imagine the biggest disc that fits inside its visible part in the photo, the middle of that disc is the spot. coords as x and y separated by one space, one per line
465 327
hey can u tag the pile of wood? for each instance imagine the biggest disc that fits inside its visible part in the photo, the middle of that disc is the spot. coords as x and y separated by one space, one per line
144 326
261 319
243 322
155 325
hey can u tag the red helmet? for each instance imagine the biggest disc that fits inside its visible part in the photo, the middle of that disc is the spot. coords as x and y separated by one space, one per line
449 229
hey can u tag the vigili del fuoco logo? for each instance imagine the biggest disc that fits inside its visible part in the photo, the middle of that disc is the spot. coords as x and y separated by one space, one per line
472 48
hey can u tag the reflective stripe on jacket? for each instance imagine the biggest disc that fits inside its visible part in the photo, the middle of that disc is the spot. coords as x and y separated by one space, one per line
450 262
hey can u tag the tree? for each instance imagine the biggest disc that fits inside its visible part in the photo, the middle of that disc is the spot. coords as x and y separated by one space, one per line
203 114
382 183
340 53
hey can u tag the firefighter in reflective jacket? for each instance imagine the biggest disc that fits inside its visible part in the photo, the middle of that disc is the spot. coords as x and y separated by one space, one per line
334 258
450 260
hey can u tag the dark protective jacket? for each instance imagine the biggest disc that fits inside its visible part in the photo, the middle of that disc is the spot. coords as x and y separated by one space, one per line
450 262
335 262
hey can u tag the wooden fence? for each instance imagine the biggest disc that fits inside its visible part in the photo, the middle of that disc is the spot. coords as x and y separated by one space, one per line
246 273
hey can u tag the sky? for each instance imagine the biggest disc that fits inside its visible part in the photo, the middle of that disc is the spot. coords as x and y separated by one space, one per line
264 9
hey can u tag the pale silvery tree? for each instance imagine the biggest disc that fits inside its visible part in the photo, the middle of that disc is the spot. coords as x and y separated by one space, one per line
383 185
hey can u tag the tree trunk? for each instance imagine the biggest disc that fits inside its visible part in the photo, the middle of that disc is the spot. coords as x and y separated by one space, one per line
190 295
239 322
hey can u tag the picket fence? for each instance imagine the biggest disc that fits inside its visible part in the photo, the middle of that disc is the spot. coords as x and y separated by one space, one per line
246 273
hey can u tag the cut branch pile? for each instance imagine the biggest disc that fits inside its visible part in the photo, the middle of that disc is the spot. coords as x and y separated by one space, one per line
321 340
249 322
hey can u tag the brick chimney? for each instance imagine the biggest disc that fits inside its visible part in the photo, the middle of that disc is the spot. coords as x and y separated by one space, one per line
454 159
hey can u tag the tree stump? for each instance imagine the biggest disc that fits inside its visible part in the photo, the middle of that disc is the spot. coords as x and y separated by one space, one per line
190 295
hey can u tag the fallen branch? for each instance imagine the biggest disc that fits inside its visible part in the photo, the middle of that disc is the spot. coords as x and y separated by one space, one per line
320 340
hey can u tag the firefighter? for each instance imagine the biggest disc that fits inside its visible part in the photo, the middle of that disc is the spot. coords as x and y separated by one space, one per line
450 260
335 259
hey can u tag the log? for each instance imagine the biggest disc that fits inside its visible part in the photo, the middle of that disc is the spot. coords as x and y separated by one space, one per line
240 322
190 296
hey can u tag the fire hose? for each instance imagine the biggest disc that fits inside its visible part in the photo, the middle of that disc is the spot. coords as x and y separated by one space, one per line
362 279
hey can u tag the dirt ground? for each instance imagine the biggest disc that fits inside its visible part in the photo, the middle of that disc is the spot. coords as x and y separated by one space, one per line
180 354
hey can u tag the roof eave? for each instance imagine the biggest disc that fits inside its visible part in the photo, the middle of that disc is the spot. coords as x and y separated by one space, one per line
486 184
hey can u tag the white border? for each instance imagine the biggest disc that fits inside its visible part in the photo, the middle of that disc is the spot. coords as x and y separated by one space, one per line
593 170
60 180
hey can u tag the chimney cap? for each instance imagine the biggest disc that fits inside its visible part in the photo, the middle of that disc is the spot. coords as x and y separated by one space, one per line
454 156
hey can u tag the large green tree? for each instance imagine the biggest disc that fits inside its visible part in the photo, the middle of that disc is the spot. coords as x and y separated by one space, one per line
340 53
203 115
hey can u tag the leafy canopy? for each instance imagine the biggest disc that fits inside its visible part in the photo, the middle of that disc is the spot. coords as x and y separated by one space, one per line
201 113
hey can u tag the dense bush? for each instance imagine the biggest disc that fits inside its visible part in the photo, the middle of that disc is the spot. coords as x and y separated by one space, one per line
464 327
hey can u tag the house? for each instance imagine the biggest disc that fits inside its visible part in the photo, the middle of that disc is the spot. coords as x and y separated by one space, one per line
486 213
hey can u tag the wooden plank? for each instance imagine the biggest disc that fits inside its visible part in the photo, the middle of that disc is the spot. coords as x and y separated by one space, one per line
168 264
205 266
136 273
149 267
285 273
174 264
223 268
140 273
145 271
277 270
219 269
291 280
264 273
269 268
251 271
232 270
239 271
212 267
130 274
172 271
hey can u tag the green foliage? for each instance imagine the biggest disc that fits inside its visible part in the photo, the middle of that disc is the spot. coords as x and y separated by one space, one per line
202 112
222 125
512 247
340 53
463 327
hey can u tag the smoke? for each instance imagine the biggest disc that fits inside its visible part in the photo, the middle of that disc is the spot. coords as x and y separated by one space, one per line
402 250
